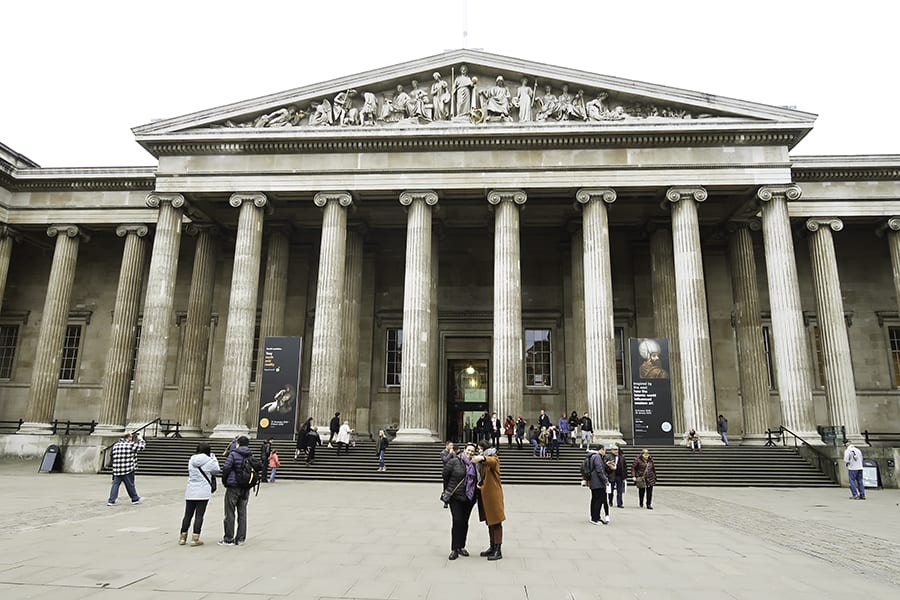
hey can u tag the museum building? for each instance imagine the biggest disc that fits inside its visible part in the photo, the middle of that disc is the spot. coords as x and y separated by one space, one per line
457 234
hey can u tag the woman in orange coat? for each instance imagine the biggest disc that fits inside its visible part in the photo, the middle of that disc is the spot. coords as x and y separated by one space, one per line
490 497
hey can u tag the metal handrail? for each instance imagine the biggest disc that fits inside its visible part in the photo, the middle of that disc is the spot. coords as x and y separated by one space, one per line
14 426
157 422
887 436
76 426
826 464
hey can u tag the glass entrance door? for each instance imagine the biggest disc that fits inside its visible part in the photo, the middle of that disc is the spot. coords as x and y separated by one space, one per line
467 397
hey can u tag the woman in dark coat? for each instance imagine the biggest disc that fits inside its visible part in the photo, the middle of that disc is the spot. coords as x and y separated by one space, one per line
490 497
460 483
644 469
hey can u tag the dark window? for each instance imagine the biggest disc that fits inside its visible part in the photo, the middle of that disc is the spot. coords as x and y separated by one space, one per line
71 346
894 336
255 359
393 356
9 338
620 356
537 358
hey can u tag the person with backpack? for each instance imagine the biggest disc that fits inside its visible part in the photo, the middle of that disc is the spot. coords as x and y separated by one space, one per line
240 473
587 432
203 467
593 476
264 452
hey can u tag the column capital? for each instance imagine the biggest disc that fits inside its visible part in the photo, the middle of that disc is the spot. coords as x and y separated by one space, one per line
258 199
322 198
198 228
586 195
8 232
155 199
815 223
68 231
497 196
139 229
788 192
893 223
428 196
695 193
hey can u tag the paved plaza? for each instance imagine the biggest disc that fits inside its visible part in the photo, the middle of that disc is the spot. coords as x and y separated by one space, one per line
59 540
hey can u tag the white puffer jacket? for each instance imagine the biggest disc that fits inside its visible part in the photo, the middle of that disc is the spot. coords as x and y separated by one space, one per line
197 487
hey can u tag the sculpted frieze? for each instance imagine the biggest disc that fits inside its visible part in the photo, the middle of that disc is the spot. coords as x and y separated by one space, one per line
461 97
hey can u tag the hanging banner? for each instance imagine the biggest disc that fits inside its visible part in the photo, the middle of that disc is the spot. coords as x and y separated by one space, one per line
651 392
279 388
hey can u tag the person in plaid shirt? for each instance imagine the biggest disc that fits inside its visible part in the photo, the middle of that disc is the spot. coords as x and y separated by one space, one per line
124 462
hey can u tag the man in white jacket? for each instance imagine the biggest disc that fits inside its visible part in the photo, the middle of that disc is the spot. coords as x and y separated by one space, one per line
853 458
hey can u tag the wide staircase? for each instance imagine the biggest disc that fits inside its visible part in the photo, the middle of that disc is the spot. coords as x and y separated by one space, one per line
675 465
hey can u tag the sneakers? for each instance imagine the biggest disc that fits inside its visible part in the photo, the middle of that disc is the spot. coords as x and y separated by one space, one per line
110 503
593 522
138 501
605 520
854 497
225 543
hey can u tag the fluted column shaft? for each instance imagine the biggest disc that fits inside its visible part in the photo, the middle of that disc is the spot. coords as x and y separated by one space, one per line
840 388
748 331
665 315
349 379
437 413
45 374
150 373
241 316
693 318
599 326
274 300
192 374
416 366
6 243
119 355
894 248
576 398
325 370
789 337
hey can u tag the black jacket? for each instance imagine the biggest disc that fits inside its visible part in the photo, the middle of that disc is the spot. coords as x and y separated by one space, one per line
621 472
454 476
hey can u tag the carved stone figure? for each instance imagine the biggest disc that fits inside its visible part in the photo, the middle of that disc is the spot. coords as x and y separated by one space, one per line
524 101
549 104
440 98
595 108
463 86
367 112
564 105
388 113
342 107
577 110
496 101
401 102
321 113
418 105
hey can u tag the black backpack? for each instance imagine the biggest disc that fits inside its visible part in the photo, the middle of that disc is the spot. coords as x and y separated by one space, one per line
586 467
250 473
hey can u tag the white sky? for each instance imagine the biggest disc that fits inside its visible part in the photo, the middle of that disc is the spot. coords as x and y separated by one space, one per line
78 75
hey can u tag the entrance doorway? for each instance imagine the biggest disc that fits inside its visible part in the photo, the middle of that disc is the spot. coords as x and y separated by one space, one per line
467 397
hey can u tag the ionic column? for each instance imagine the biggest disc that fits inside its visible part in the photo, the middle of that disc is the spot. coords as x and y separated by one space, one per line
576 396
416 366
599 329
192 374
7 237
665 315
748 332
349 378
507 373
789 336
437 411
54 318
693 318
893 237
150 373
274 300
235 394
840 389
119 355
325 370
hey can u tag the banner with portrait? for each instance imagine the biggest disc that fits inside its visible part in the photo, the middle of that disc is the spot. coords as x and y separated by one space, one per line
279 388
651 392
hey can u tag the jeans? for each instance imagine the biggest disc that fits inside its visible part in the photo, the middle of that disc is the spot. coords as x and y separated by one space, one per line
193 509
617 485
534 445
128 480
586 438
459 530
236 501
857 488
381 459
554 449
272 474
598 501
725 437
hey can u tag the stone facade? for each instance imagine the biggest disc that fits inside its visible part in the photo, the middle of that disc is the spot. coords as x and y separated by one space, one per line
480 275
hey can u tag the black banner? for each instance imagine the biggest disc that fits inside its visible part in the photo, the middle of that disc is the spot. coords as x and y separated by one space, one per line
651 392
279 389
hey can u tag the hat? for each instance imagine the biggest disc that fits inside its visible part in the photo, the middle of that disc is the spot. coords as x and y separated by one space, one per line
846 442
243 441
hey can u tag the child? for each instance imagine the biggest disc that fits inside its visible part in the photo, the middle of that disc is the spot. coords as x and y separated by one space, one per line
274 463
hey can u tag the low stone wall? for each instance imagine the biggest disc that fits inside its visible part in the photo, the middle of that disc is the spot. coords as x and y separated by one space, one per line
80 453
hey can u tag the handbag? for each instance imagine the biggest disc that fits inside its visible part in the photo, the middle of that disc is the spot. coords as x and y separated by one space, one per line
445 495
211 482
640 483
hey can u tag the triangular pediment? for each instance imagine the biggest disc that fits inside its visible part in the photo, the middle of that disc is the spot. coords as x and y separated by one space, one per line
467 88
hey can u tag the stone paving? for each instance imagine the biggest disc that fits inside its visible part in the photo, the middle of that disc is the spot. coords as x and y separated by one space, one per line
328 540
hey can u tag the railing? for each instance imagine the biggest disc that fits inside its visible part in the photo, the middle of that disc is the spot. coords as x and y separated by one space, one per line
169 429
70 427
890 437
826 464
10 426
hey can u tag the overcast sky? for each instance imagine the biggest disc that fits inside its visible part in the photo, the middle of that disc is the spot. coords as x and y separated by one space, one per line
77 76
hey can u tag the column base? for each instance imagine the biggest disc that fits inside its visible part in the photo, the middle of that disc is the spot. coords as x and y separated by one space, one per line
107 430
229 431
35 429
754 439
608 437
190 432
414 436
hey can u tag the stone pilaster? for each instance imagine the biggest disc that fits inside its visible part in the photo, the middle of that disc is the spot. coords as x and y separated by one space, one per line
840 388
693 319
437 410
325 369
417 368
192 374
665 315
353 274
235 394
748 332
599 329
789 336
54 318
893 238
576 392
508 370
7 237
150 373
120 354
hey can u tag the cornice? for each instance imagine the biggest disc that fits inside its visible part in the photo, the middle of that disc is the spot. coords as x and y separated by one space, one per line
80 180
871 167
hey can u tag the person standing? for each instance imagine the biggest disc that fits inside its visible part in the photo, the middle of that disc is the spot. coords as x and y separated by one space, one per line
520 431
618 476
853 458
496 428
563 426
509 429
124 462
543 420
553 437
644 473
343 438
273 462
448 453
597 481
264 451
301 438
236 497
490 497
587 431
722 423
382 447
460 484
202 469
334 427
574 422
